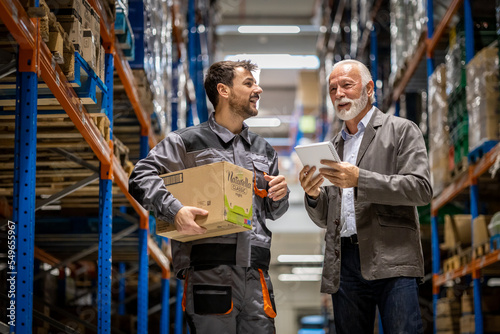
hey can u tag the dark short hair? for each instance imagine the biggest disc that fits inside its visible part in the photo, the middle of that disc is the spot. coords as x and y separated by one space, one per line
223 72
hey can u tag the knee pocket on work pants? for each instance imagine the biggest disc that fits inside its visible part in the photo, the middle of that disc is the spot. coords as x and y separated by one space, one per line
209 291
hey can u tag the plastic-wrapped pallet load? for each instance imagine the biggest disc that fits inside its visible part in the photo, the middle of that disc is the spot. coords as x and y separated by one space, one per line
439 137
408 20
482 97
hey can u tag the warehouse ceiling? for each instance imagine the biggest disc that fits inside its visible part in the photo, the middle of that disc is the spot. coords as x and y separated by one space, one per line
279 85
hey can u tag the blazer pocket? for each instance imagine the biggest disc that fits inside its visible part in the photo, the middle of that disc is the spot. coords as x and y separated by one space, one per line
399 217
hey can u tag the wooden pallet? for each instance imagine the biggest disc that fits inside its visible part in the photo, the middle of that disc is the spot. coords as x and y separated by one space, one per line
481 250
460 259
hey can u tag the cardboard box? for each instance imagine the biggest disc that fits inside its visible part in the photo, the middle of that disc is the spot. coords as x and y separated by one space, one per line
491 323
223 189
102 64
481 234
66 8
457 231
73 28
88 49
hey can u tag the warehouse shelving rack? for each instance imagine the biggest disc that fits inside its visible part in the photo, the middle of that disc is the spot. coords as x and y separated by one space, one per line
464 182
35 60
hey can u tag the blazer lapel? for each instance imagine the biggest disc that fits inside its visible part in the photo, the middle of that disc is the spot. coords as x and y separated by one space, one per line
338 143
370 132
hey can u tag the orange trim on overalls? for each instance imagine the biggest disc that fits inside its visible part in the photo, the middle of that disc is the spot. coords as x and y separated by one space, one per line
268 307
231 309
184 294
262 193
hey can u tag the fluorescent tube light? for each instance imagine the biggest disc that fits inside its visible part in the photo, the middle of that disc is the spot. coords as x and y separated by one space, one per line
279 61
299 278
260 29
263 122
307 270
300 258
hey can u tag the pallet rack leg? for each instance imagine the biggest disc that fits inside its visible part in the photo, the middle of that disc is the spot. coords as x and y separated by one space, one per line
104 259
20 269
165 303
196 62
179 321
476 274
143 287
435 264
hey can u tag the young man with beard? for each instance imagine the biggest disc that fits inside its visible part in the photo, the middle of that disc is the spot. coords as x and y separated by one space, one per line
373 254
227 286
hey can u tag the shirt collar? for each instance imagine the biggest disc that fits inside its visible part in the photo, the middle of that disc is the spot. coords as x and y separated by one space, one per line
361 125
224 133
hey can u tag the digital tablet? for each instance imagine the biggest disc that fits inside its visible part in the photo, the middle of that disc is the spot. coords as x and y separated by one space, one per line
312 154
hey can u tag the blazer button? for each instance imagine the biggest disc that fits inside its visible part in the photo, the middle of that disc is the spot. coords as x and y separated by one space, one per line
337 253
337 222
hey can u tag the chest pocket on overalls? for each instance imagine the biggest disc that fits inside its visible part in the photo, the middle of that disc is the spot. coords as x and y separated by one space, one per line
208 156
260 168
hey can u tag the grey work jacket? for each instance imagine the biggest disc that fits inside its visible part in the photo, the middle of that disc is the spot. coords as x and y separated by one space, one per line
200 145
393 180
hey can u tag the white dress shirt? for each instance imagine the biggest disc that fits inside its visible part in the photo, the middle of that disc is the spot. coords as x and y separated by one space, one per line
351 149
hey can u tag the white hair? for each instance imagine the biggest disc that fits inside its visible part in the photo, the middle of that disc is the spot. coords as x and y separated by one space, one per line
366 76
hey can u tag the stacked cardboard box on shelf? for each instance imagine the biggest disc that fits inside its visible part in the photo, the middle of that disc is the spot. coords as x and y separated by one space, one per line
82 25
439 137
482 97
448 315
490 309
459 243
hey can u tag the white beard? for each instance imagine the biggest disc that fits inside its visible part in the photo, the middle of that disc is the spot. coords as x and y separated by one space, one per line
356 106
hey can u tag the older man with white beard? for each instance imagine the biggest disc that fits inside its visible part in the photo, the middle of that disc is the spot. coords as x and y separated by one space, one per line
370 211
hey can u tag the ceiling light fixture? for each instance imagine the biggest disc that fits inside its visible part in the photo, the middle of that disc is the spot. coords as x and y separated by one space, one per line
299 278
307 270
300 258
263 122
261 29
279 61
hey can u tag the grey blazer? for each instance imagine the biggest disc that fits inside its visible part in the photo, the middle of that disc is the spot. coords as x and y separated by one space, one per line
393 180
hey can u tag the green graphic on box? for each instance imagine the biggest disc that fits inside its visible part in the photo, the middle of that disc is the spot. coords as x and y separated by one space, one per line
237 215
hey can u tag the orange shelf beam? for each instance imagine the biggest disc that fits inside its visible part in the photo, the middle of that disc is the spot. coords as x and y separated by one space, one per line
451 275
486 162
475 265
121 179
449 193
66 96
19 24
159 257
15 18
125 73
445 22
412 67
